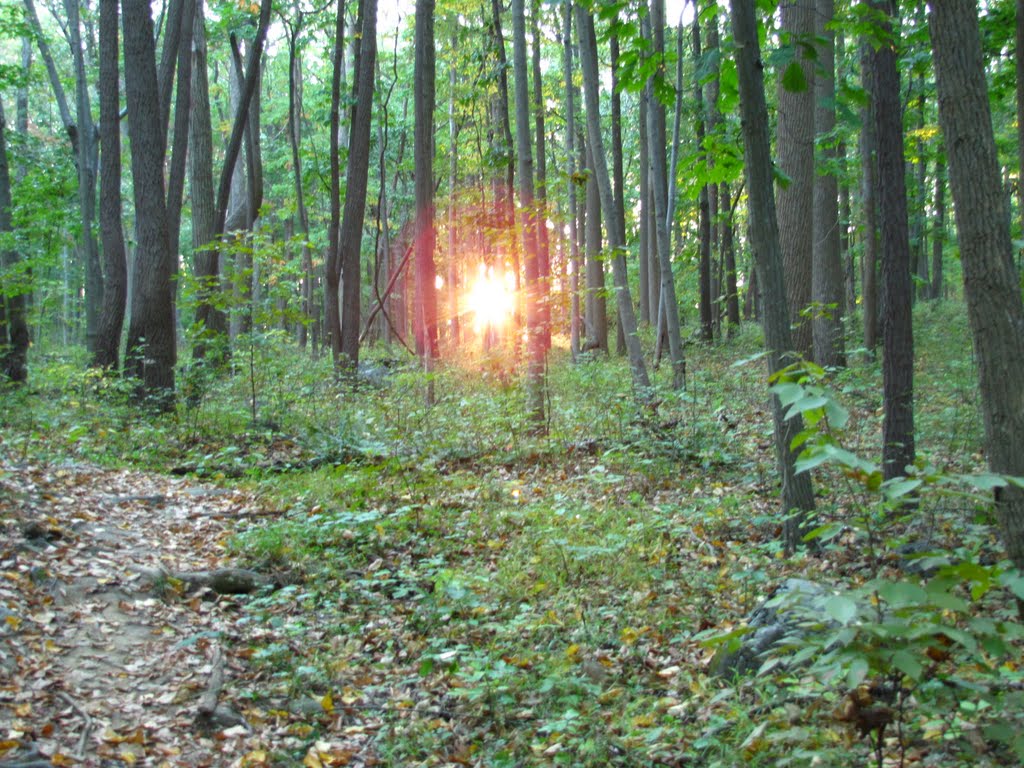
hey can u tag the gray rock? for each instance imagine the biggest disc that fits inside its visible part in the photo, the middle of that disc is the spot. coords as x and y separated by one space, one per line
771 622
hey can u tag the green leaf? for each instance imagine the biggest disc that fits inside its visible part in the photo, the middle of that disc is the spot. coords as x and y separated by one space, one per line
841 608
908 664
901 593
858 670
899 487
793 79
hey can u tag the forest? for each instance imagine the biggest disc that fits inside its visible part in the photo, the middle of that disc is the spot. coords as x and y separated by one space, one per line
526 383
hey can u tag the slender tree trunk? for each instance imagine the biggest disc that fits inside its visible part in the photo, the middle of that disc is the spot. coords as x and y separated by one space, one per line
332 262
796 160
453 170
869 193
14 338
644 272
151 338
179 148
588 57
827 264
732 296
570 155
668 305
351 233
1019 37
596 307
938 227
541 187
897 289
206 259
86 161
295 142
991 283
797 493
535 393
707 329
108 341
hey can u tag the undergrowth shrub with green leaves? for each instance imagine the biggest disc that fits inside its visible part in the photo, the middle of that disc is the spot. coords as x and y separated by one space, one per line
918 660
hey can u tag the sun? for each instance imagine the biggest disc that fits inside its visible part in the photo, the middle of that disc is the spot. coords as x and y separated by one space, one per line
491 299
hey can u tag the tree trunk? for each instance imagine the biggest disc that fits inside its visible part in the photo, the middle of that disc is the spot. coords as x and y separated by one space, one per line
535 394
423 159
205 255
827 270
115 267
596 314
570 159
668 307
14 338
797 493
732 295
151 341
869 193
332 261
351 234
179 148
796 161
991 283
897 289
938 227
86 161
644 272
588 57
707 328
295 141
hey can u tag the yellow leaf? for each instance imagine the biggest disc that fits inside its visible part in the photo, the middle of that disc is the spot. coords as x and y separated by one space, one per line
312 759
23 710
643 721
327 702
63 760
573 652
13 621
255 758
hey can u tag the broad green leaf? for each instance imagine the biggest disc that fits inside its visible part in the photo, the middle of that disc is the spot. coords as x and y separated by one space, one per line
899 487
793 79
909 664
858 670
841 608
900 593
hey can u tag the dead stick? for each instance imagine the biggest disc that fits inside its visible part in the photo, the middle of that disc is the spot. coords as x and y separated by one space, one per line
208 701
80 750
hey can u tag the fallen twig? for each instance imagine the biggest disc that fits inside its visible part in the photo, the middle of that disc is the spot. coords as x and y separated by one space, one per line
86 730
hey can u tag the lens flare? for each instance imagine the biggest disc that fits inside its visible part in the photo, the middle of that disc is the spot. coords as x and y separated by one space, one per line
491 300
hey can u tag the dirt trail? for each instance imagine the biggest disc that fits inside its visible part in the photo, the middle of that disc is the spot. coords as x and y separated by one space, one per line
99 665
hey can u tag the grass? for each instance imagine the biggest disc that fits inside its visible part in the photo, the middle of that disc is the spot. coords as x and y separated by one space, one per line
488 597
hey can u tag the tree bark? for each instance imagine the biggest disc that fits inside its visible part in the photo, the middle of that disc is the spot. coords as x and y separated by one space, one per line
827 266
668 307
151 339
797 493
351 234
596 311
938 227
332 260
796 161
869 203
535 389
896 287
588 57
991 283
14 338
570 159
707 328
108 341
205 256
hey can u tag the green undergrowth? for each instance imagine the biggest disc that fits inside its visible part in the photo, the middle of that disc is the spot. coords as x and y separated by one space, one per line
474 594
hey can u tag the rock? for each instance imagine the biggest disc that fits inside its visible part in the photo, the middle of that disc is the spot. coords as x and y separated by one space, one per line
769 623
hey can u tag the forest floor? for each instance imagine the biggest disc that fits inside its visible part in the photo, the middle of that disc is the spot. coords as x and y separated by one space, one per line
101 662
440 587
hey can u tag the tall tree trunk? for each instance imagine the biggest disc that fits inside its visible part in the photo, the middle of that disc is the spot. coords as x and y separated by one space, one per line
423 158
151 341
938 227
205 258
827 265
991 283
535 394
86 161
332 261
797 493
453 171
179 148
115 291
588 57
869 194
351 233
897 289
644 271
732 294
295 142
596 315
1019 37
668 307
14 338
541 186
570 158
796 161
707 328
